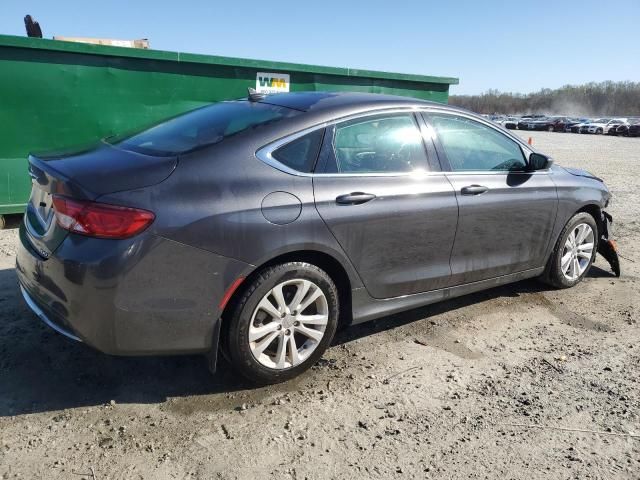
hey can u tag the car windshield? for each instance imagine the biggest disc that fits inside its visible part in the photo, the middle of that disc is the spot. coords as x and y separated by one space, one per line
201 127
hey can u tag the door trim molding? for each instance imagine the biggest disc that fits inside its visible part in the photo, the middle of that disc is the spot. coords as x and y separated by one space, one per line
367 308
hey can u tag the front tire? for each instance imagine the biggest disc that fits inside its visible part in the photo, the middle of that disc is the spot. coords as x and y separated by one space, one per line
574 252
283 322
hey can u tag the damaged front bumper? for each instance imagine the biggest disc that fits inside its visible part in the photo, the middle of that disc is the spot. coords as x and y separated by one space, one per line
607 246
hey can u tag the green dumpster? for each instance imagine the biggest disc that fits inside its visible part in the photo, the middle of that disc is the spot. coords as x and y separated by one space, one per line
56 94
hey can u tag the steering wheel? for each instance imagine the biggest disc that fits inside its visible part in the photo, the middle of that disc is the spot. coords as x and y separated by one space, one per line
400 158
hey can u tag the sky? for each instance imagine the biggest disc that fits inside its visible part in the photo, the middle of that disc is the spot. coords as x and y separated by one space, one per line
515 46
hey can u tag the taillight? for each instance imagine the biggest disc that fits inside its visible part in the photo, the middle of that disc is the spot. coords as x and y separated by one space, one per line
100 219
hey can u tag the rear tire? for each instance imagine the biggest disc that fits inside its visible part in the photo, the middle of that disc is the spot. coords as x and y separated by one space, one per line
574 252
3 222
283 322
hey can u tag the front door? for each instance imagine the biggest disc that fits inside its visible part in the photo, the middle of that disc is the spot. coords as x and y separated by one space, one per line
506 212
393 214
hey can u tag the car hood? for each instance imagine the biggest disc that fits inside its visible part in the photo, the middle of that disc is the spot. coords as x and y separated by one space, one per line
578 172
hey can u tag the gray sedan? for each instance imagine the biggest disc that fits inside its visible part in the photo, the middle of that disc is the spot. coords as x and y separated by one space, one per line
254 228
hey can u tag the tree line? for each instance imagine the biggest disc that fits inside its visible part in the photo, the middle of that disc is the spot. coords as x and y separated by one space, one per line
591 99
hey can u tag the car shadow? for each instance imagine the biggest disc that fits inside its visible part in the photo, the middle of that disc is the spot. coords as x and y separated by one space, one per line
390 322
12 221
597 272
42 371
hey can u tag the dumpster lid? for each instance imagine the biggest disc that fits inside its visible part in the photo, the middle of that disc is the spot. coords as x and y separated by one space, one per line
161 55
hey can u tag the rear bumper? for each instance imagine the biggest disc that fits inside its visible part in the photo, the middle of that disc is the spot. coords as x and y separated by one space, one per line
46 319
142 296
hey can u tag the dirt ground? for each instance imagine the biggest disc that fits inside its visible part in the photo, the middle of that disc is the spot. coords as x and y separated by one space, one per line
517 382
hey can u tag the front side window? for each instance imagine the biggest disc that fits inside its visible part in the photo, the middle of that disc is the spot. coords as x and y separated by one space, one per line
380 144
472 146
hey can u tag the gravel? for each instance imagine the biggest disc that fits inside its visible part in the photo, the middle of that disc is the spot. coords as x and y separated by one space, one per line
516 382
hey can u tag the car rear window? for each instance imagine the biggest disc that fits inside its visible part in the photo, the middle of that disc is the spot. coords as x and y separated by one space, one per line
202 127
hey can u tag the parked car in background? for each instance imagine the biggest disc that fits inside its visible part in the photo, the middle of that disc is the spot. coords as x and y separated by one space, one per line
255 227
510 123
613 125
524 122
560 125
597 126
554 124
632 129
550 124
506 122
623 128
575 122
581 127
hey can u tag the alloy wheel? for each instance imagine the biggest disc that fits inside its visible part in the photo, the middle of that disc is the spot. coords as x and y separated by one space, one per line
288 324
577 251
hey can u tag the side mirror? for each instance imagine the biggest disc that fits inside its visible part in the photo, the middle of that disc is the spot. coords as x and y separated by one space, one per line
538 161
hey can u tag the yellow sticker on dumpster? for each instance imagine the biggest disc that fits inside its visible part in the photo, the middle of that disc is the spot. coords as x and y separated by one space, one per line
272 82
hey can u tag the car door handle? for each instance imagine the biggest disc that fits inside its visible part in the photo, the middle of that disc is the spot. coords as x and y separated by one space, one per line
354 198
474 190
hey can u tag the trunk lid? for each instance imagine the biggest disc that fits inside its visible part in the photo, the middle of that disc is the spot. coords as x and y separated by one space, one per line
84 175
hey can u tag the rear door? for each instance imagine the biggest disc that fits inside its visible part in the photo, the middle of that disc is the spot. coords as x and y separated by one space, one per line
506 213
391 209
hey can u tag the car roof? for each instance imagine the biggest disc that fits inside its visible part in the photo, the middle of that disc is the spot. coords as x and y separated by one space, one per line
344 102
321 107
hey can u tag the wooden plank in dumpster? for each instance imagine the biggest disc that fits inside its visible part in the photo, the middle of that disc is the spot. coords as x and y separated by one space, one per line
58 94
140 43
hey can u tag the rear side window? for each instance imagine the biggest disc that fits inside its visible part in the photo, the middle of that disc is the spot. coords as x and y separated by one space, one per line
301 154
202 127
380 144
472 146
